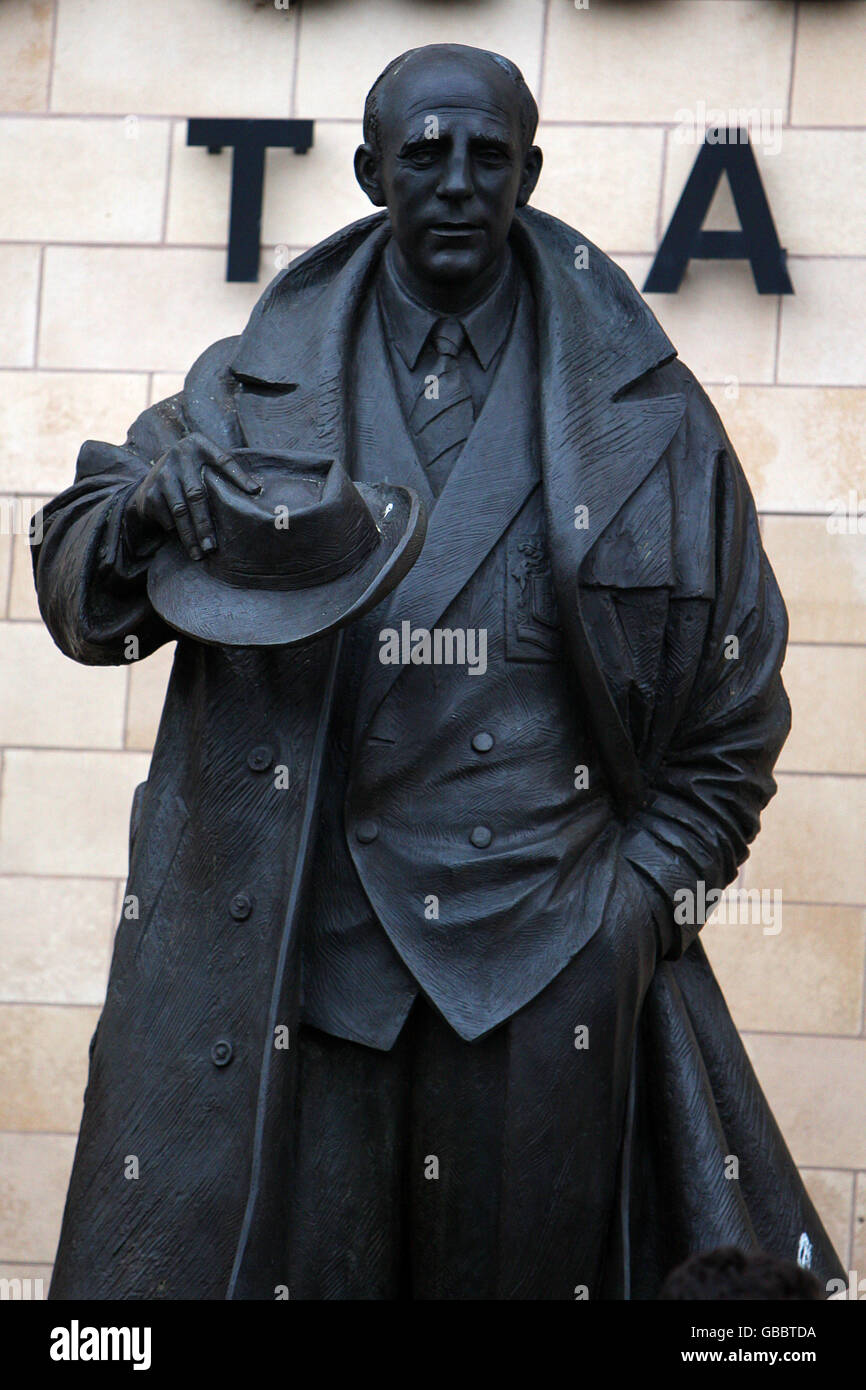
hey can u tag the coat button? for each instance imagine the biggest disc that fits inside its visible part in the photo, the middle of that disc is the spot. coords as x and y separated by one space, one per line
481 836
483 742
221 1053
366 831
241 906
260 758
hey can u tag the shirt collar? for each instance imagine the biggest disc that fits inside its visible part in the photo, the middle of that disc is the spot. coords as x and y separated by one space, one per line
410 321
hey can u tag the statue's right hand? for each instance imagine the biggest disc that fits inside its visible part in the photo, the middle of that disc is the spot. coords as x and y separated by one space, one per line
172 495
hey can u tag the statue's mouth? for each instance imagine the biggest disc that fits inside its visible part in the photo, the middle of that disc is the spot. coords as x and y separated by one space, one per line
455 228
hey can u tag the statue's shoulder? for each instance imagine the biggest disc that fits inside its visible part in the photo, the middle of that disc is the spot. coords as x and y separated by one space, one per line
314 272
317 267
297 302
702 419
701 457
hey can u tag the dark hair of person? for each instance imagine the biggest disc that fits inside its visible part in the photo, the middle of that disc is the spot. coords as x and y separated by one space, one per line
730 1273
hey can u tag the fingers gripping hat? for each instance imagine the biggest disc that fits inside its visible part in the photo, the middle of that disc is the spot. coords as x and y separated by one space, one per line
297 560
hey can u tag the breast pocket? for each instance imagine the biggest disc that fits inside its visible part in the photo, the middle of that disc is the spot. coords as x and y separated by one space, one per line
532 627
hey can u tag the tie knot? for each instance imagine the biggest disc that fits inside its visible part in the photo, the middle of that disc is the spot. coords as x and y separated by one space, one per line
448 337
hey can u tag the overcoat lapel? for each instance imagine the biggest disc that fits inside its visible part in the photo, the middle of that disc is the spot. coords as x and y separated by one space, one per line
597 338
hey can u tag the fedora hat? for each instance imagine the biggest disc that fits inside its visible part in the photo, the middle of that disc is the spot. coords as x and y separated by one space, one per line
306 554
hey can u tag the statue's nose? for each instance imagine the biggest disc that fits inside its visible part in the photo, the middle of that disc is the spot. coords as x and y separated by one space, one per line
456 180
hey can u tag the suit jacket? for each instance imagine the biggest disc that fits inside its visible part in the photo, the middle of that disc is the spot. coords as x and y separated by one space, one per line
664 562
481 927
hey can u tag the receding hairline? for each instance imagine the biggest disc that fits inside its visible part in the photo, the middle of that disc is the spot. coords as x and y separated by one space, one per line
527 111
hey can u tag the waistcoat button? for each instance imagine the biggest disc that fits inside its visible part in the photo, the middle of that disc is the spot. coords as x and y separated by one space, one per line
482 742
366 831
481 836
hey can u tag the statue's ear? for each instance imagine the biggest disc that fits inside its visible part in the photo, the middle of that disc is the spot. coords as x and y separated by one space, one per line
367 174
532 162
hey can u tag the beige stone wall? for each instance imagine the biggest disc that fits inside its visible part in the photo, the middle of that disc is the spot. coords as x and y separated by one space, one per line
112 237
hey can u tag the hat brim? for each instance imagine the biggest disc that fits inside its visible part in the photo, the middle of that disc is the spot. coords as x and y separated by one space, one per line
199 605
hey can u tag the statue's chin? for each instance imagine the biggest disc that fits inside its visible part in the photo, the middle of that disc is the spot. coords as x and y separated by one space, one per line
454 267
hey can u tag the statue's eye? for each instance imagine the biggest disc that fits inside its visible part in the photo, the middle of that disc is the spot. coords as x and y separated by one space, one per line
423 155
492 156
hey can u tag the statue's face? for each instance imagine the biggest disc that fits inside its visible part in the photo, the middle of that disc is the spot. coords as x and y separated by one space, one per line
451 166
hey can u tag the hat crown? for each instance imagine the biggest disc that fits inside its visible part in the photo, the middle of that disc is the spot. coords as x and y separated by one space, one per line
307 526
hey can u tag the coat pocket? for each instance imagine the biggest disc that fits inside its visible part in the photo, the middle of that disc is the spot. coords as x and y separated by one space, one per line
627 628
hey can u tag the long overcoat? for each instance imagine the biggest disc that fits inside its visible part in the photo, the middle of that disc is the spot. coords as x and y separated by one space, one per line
675 630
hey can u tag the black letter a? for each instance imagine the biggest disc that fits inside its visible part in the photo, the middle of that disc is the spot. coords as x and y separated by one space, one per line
729 153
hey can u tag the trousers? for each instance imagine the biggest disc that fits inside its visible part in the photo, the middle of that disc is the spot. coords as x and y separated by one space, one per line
444 1169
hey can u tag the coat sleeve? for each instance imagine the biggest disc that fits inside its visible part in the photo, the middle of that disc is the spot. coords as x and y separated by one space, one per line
91 584
704 805
92 588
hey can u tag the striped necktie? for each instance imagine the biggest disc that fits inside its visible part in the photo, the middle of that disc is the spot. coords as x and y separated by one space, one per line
443 414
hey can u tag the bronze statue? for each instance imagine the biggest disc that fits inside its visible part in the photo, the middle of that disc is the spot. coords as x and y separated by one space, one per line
408 1010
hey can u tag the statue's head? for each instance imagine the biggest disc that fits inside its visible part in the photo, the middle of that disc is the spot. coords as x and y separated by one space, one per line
448 150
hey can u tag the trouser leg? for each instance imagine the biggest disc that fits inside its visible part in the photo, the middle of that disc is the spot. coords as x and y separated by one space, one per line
565 1118
524 1129
487 1170
458 1099
347 1229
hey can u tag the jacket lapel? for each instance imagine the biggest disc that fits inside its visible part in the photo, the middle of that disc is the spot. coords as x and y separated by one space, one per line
598 338
381 444
489 484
